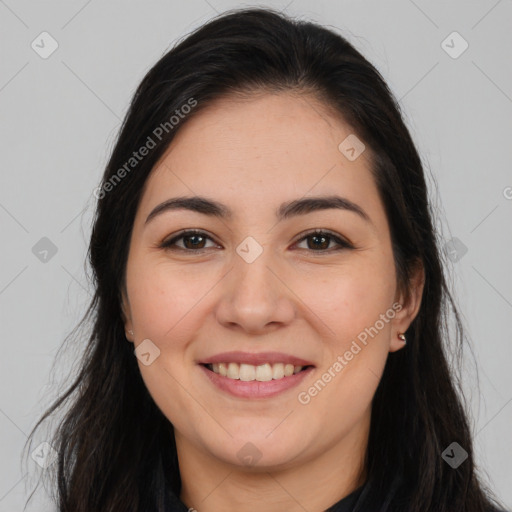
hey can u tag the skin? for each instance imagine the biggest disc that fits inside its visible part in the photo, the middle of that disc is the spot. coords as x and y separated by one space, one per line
252 155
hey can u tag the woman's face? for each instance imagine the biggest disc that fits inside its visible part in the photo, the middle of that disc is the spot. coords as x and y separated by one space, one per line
254 291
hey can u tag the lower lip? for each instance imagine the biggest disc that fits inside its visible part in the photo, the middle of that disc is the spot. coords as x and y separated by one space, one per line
254 388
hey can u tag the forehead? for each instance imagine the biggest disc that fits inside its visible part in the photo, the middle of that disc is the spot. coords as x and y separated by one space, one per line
280 130
271 147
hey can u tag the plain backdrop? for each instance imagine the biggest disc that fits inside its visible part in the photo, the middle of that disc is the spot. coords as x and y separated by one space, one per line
67 72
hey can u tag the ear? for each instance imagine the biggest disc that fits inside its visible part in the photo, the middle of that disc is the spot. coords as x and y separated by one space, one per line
127 315
410 301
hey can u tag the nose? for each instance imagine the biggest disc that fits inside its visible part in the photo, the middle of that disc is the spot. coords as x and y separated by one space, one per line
255 298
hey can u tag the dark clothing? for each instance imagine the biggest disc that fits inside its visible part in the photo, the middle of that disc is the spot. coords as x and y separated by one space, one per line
351 503
344 505
347 503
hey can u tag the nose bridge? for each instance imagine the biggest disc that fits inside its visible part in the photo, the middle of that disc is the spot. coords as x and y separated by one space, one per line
255 297
252 270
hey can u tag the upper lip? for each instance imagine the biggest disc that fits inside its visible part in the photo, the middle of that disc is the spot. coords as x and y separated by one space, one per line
256 359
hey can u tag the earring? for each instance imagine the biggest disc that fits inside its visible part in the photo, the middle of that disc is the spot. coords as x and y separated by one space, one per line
401 335
130 332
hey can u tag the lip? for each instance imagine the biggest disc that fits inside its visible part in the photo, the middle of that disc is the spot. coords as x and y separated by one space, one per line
256 359
255 389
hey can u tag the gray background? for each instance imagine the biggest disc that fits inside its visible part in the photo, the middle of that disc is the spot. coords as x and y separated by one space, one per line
60 115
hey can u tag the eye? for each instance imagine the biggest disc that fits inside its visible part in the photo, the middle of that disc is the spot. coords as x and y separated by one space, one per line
320 240
193 241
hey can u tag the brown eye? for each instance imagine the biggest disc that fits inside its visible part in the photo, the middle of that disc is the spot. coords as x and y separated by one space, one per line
195 241
319 241
192 241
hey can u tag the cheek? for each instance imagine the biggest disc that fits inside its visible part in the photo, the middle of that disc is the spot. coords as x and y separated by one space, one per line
348 299
164 303
356 307
162 297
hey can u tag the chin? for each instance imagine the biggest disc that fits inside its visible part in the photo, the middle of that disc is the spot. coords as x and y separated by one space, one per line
257 450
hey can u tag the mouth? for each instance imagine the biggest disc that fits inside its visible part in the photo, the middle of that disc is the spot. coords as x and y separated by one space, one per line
262 373
247 375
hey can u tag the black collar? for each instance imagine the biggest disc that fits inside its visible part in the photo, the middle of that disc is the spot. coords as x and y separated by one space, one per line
350 503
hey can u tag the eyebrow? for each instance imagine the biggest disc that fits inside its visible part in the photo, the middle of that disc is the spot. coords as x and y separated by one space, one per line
287 210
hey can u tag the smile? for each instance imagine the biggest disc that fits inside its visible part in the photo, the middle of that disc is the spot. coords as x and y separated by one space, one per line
261 373
255 375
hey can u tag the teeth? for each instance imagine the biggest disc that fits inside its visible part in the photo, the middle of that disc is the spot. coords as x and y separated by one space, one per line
233 371
278 371
248 372
264 372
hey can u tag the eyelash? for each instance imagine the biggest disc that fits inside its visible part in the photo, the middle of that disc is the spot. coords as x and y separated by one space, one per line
170 244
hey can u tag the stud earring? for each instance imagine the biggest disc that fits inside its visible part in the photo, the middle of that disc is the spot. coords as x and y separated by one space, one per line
401 335
130 332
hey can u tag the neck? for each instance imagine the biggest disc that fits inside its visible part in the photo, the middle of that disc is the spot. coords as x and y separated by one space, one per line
315 484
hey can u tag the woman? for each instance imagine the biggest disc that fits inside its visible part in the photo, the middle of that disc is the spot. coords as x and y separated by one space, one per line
269 312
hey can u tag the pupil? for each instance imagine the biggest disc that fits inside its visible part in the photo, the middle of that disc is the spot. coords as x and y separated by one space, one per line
324 238
322 245
194 237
